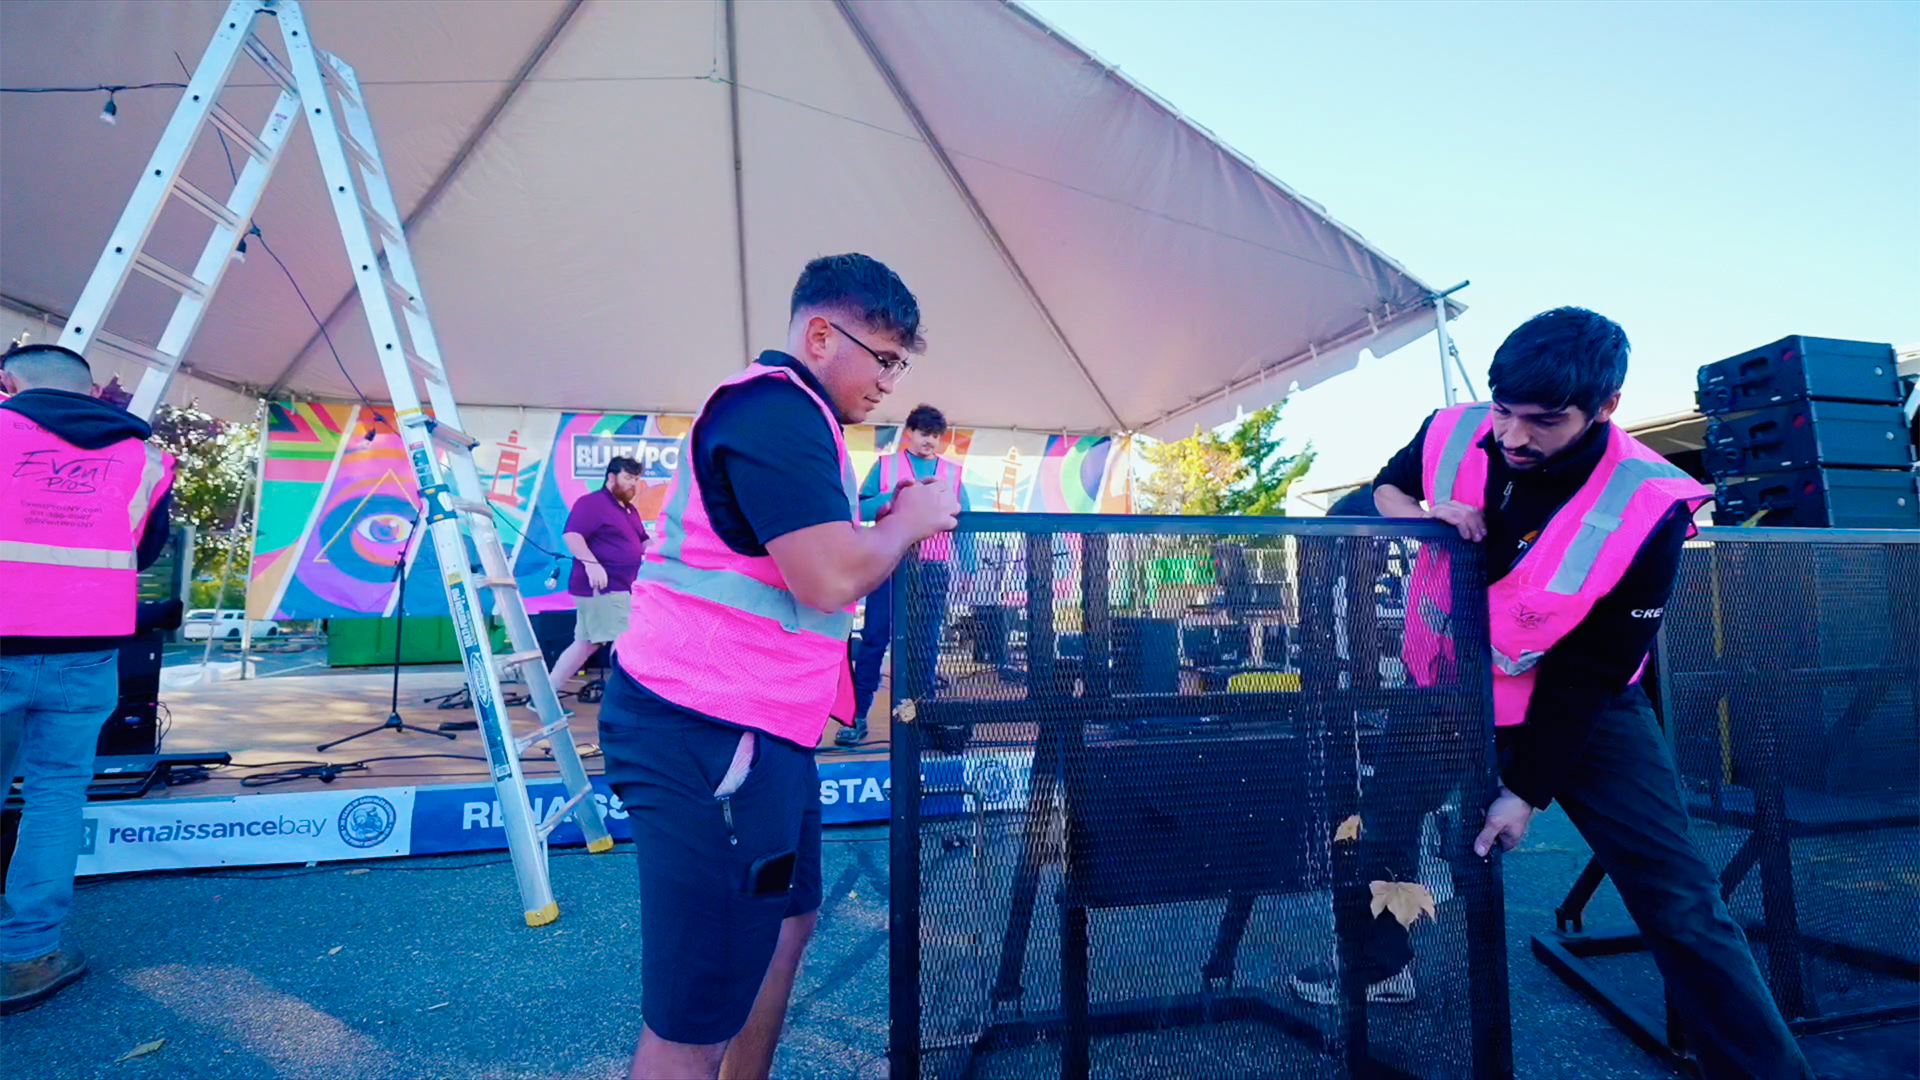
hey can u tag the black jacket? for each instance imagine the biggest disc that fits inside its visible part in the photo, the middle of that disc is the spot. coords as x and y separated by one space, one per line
88 423
1594 662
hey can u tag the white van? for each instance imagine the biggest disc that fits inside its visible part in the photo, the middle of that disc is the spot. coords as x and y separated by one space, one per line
199 625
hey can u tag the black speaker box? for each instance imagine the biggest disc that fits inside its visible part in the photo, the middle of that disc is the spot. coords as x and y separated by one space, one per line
134 727
1800 367
1146 656
1821 498
1217 646
1804 434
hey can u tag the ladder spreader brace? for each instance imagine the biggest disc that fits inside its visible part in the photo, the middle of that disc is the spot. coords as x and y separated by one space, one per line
324 90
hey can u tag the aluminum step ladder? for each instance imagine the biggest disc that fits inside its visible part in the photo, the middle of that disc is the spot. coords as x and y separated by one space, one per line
324 90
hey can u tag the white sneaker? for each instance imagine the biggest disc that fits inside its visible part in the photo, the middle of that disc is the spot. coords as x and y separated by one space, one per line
1319 984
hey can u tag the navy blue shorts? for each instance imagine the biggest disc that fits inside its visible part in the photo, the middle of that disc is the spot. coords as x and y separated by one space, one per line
712 892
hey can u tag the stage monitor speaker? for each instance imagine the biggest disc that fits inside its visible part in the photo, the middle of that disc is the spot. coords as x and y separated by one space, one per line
1806 434
1146 656
1799 367
554 631
134 727
1821 498
1217 646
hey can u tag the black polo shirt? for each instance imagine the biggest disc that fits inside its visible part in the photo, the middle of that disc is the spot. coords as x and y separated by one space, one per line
766 460
1593 663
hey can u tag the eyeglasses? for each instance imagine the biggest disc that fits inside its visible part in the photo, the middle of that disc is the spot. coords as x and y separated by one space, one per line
890 367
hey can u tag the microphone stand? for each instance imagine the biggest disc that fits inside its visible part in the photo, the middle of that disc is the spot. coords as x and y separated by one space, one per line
393 721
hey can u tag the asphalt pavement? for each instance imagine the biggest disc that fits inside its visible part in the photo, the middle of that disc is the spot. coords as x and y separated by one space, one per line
422 968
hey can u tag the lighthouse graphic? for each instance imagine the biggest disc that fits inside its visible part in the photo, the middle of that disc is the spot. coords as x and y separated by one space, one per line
1006 494
506 472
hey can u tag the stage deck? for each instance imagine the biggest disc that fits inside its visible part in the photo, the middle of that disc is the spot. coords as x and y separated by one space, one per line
272 724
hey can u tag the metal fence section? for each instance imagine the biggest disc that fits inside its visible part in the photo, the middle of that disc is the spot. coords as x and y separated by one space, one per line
1152 780
1791 677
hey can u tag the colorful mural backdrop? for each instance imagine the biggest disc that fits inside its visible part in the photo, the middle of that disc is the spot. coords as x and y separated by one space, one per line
339 505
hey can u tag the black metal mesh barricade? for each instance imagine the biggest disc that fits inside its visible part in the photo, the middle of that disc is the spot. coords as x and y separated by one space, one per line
1143 768
1789 668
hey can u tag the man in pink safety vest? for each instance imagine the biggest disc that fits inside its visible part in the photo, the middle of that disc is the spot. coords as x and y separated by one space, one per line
736 657
916 459
1582 527
83 508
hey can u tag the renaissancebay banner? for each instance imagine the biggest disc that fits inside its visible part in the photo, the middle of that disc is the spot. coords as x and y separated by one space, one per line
338 500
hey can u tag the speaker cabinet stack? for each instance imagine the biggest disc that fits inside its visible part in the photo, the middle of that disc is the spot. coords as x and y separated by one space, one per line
1809 432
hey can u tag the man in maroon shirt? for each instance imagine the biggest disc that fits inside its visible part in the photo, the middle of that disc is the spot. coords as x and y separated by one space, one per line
606 538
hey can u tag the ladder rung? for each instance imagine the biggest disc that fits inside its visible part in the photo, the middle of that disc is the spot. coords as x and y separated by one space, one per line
177 280
450 437
389 232
477 507
399 293
520 744
271 64
140 351
188 193
511 659
331 75
423 366
358 153
498 583
248 141
560 812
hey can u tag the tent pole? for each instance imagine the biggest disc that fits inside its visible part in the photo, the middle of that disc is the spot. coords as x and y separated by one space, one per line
739 193
1447 360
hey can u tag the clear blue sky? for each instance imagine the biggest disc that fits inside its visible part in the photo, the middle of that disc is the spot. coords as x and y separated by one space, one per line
1713 176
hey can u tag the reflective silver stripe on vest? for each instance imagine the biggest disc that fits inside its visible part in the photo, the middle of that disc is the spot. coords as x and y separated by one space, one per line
1459 441
150 473
55 555
1510 666
738 591
1605 517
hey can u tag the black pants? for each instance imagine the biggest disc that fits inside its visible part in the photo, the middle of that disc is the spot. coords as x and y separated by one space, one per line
1624 797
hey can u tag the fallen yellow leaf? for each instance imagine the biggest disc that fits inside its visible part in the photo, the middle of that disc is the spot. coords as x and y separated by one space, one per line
1349 830
905 711
1408 900
335 949
142 1050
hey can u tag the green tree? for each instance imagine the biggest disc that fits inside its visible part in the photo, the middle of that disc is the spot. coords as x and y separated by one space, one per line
213 466
1246 471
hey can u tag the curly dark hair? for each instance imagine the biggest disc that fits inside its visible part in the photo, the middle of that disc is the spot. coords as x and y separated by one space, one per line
927 420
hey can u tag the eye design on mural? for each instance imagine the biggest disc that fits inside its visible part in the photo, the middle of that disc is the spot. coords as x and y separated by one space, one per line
384 529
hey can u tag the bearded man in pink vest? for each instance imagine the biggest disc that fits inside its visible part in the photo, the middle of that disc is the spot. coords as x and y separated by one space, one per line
736 657
1582 526
83 508
916 459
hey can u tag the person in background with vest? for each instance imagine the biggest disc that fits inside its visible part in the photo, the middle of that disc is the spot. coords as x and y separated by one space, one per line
83 508
916 459
607 539
1582 526
736 657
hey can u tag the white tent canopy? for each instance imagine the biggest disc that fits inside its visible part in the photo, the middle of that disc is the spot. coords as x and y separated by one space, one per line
609 202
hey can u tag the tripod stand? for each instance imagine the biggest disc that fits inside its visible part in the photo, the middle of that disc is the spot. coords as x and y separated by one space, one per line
393 721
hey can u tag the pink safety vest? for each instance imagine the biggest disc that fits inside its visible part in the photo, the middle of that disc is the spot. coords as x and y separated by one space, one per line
718 632
70 525
1580 555
896 467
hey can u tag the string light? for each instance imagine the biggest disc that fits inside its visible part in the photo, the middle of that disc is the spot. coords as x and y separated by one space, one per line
111 113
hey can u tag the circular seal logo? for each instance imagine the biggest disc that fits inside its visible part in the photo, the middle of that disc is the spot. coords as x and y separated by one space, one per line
994 780
366 821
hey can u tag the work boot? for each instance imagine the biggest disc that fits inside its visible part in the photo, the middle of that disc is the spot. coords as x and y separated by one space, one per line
1320 985
852 736
26 983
